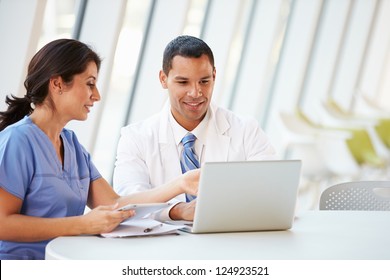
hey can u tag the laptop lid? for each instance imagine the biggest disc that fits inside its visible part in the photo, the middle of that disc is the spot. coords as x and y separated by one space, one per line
246 196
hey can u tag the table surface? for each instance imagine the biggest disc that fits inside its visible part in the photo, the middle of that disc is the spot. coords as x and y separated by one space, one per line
317 235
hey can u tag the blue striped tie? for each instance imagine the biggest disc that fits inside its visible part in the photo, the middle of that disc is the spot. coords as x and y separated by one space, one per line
189 160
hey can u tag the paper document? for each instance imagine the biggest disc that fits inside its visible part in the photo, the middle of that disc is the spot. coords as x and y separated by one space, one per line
141 227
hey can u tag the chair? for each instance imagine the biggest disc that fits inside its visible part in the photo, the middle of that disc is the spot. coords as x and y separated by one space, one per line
376 128
362 195
328 142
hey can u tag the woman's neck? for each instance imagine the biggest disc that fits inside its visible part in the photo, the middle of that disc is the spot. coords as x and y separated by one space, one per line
48 122
51 125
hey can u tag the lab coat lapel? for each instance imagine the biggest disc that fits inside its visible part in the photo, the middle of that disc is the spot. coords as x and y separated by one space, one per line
168 151
217 142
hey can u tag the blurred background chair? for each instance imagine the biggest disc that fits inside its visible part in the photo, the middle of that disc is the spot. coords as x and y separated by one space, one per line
361 195
376 127
317 148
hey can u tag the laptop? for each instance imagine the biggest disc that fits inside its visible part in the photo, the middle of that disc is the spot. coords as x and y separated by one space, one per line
246 196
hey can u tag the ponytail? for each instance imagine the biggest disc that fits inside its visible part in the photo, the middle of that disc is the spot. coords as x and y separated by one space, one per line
18 107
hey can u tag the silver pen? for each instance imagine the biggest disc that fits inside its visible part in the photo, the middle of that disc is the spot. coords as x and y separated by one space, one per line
149 229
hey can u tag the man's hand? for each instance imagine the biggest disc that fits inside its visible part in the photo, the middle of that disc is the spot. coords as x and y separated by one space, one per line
183 211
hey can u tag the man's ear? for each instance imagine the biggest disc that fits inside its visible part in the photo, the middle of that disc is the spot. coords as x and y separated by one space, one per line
163 79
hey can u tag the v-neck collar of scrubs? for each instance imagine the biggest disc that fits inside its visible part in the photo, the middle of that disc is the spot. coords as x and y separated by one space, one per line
60 167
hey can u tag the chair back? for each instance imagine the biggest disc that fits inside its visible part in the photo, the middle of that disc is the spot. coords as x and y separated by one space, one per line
362 195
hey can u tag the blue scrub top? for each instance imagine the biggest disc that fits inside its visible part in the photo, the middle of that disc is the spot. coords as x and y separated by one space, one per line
31 171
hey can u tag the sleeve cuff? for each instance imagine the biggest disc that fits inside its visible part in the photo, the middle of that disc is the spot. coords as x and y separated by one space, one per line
163 215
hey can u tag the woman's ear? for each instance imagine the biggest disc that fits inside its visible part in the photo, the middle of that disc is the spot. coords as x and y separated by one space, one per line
56 84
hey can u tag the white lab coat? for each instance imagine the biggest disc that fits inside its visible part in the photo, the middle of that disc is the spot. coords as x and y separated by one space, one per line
148 156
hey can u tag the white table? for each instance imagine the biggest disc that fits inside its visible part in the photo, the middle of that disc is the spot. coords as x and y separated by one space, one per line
317 235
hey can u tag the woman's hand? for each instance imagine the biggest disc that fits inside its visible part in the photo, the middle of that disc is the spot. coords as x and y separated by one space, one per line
104 219
190 182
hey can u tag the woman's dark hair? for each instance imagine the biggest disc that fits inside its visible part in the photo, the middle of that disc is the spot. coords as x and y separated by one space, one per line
186 46
62 57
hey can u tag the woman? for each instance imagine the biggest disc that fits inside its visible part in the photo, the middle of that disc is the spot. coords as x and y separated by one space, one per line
46 177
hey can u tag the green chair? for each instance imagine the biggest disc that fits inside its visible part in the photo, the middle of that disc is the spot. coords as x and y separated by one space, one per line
383 131
359 143
378 128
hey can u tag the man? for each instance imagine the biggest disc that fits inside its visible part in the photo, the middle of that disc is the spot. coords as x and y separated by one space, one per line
150 153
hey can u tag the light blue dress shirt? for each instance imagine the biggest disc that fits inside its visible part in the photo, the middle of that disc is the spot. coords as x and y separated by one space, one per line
31 171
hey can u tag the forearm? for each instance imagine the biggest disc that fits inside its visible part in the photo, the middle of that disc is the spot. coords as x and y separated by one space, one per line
101 193
162 193
22 228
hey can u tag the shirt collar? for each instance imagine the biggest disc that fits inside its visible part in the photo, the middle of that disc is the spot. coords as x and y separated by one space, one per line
200 131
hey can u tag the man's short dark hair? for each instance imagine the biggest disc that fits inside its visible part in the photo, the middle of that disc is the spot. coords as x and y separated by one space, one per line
186 46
